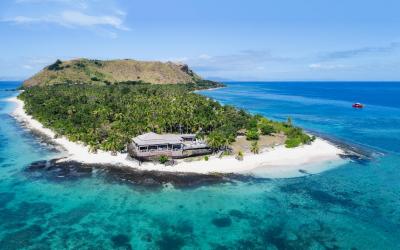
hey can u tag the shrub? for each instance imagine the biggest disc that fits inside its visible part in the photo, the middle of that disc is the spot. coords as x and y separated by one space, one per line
292 142
163 159
55 66
289 121
294 132
239 156
226 152
80 65
206 158
252 124
267 129
252 135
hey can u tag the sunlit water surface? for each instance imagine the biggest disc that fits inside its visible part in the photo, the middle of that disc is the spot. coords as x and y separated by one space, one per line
354 206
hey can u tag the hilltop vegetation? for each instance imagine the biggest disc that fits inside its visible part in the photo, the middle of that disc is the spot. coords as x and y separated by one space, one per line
107 117
99 72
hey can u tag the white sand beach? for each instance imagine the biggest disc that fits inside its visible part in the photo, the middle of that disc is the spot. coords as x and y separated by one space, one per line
278 162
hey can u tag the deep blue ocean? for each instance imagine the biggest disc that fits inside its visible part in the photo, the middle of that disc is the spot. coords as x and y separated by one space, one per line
355 206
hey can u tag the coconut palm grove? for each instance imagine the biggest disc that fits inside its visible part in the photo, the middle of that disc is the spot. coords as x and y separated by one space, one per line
106 117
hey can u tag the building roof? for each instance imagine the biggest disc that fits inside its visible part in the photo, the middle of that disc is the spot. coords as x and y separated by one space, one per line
153 138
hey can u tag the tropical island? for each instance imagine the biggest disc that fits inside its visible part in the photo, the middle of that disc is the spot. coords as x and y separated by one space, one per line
116 111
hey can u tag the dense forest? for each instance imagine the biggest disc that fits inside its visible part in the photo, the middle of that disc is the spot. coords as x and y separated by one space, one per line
107 117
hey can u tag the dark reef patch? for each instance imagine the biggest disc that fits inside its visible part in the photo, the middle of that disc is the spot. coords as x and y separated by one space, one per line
159 179
34 208
121 241
170 242
13 225
238 214
274 235
3 144
184 227
73 216
314 235
215 246
222 222
25 210
323 197
327 198
5 198
245 244
22 238
293 188
6 165
59 171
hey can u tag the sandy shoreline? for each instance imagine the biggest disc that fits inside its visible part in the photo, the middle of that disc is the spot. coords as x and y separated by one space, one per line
279 162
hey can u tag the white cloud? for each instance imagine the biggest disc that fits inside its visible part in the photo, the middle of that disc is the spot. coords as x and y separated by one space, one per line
326 66
73 19
205 57
83 4
315 66
246 61
29 67
36 63
358 52
177 59
120 12
41 60
21 20
103 18
260 68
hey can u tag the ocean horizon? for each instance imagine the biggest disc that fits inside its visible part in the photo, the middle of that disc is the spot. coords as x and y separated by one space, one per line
354 206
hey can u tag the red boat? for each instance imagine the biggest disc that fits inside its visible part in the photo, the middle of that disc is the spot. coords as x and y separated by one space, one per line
358 105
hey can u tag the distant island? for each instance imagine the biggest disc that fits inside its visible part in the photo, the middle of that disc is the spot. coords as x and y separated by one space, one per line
109 107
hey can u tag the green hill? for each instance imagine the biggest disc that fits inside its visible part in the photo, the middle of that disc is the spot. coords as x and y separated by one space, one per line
113 71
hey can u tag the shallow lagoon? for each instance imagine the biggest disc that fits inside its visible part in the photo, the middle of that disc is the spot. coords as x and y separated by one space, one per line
354 206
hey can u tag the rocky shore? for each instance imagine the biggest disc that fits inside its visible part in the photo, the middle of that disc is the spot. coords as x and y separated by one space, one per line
59 171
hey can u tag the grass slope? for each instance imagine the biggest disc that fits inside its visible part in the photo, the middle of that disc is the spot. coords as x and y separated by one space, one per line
113 71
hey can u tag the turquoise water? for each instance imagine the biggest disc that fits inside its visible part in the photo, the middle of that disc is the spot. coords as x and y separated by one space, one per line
356 206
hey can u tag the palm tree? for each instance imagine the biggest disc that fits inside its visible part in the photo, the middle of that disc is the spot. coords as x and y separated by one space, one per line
254 147
214 140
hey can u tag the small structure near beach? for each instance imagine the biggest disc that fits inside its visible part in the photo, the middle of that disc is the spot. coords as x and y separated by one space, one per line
151 146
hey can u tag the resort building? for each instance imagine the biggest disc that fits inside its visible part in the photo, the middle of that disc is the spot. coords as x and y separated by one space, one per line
151 145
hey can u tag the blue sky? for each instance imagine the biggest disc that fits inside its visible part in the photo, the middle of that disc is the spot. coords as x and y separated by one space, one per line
224 39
